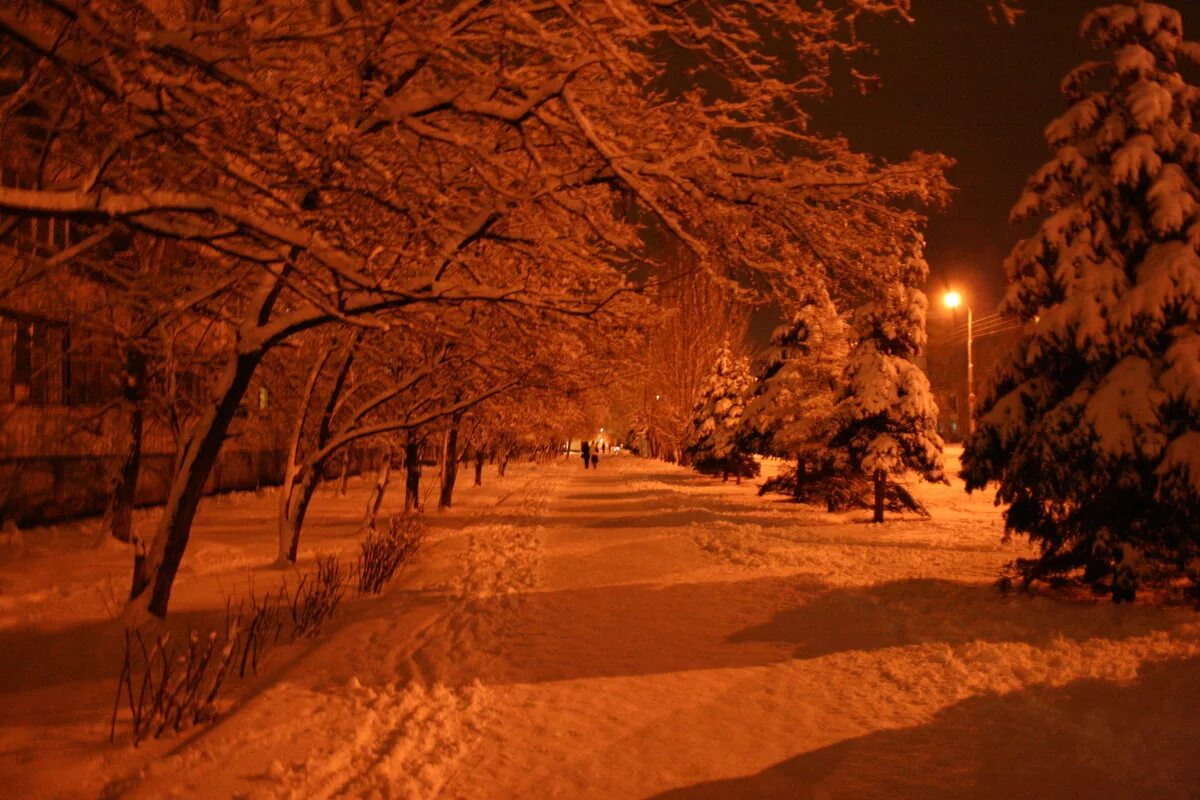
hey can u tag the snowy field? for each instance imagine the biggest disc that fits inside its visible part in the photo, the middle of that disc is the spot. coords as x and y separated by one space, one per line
634 632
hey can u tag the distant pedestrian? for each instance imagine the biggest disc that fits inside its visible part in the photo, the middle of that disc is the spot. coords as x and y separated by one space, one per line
585 451
595 460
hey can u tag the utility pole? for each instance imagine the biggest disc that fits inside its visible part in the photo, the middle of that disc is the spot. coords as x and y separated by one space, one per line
954 300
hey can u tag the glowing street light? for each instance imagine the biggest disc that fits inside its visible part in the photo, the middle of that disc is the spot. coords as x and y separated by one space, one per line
954 300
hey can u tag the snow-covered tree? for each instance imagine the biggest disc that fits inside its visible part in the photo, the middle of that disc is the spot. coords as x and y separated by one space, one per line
1091 426
717 445
791 411
339 164
886 419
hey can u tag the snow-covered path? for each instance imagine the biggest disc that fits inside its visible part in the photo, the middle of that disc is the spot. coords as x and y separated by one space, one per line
689 639
641 631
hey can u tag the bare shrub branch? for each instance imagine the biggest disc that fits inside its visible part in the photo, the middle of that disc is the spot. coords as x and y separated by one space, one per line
382 554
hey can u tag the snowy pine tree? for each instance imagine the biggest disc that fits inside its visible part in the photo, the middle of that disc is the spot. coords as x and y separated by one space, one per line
790 413
1092 425
716 420
886 420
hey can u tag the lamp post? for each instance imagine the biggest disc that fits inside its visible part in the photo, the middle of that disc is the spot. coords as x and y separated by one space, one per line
954 300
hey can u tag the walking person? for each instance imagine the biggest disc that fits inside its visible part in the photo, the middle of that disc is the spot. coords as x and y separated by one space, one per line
585 451
595 459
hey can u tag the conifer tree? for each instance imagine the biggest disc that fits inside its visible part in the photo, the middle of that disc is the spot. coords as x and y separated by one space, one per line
886 419
790 413
716 420
1091 428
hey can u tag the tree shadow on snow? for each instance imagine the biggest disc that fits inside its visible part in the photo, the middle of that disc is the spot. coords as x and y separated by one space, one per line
693 512
647 628
921 611
615 497
601 517
40 657
642 628
660 519
670 479
1089 738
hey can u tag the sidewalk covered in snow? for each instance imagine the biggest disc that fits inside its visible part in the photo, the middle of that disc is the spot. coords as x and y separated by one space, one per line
640 631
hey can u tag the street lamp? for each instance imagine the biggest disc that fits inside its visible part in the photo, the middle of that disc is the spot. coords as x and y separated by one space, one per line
954 300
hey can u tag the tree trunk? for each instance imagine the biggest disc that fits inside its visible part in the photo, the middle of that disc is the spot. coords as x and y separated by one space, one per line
283 524
449 463
382 478
120 509
412 476
503 465
293 466
880 490
480 458
345 473
300 498
120 506
307 476
799 485
155 567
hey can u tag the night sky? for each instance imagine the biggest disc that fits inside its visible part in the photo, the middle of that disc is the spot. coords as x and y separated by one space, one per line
981 92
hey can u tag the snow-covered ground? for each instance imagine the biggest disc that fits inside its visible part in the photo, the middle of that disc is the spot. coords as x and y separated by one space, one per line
638 631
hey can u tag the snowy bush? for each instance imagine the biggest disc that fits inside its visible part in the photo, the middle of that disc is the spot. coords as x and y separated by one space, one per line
1090 427
381 554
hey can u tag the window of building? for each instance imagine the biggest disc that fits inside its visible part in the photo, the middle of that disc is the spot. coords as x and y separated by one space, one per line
41 365
90 370
39 235
8 338
35 364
